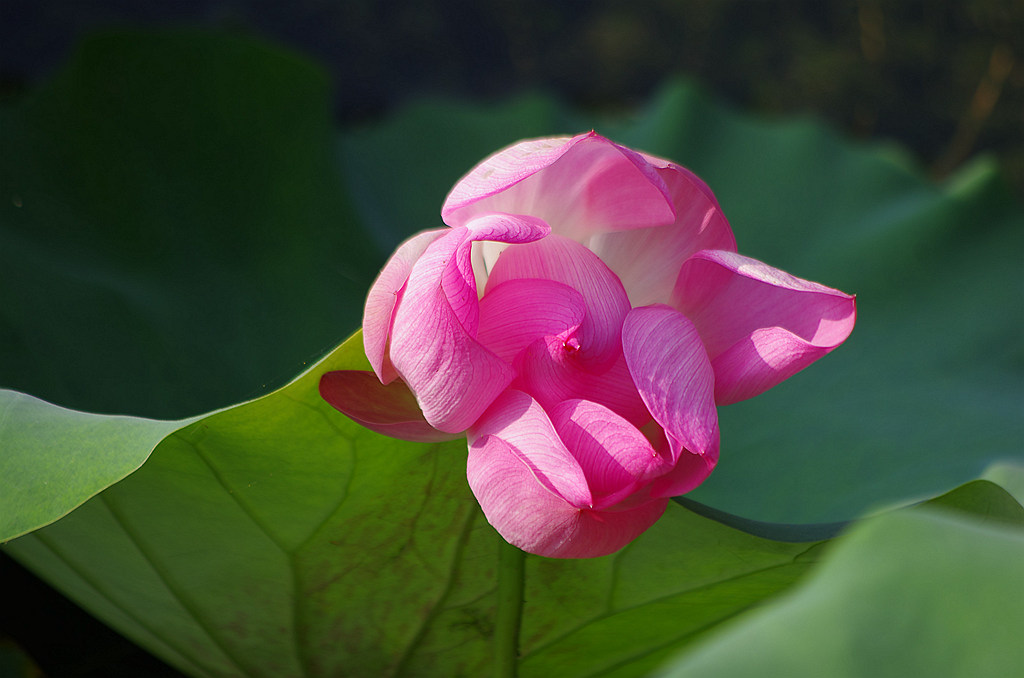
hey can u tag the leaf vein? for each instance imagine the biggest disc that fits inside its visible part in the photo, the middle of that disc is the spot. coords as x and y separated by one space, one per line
695 589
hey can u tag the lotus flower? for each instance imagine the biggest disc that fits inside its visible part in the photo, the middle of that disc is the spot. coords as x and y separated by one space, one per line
579 321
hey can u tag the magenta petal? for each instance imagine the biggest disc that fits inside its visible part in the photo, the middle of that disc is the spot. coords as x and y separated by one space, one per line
566 261
760 325
648 260
690 471
530 517
580 186
550 372
522 423
524 512
390 410
615 456
459 280
433 340
383 298
517 312
533 491
674 376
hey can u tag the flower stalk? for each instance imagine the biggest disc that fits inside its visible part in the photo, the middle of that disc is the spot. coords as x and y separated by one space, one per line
511 582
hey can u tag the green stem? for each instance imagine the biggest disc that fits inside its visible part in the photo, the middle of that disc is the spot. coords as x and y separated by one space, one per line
511 579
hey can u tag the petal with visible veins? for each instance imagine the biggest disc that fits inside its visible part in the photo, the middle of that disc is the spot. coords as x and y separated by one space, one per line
520 421
513 470
648 260
549 371
673 374
760 325
383 298
570 263
433 339
516 313
616 458
580 186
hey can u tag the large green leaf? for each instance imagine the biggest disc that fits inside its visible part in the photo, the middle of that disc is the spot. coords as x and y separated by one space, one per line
278 538
54 459
184 228
916 593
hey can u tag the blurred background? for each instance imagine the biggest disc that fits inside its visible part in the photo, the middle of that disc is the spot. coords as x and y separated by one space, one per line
942 77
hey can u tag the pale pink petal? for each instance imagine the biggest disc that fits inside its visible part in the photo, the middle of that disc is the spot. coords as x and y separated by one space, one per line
433 339
529 516
520 421
580 186
501 170
524 512
388 409
383 298
760 325
566 261
516 313
549 371
674 376
533 490
615 456
648 260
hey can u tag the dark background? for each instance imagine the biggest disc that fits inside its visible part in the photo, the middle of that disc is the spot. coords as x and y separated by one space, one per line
943 78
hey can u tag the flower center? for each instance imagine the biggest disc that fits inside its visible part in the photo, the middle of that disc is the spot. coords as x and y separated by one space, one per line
571 345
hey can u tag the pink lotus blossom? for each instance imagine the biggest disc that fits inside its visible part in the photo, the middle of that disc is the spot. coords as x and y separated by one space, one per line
579 321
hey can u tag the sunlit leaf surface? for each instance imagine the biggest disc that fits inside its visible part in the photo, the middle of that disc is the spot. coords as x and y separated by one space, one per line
912 593
278 538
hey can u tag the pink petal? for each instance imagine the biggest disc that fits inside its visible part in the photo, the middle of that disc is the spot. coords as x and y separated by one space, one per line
566 261
550 372
383 298
580 186
517 312
760 325
648 260
501 170
390 410
433 339
674 376
530 517
615 456
532 490
520 421
690 471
